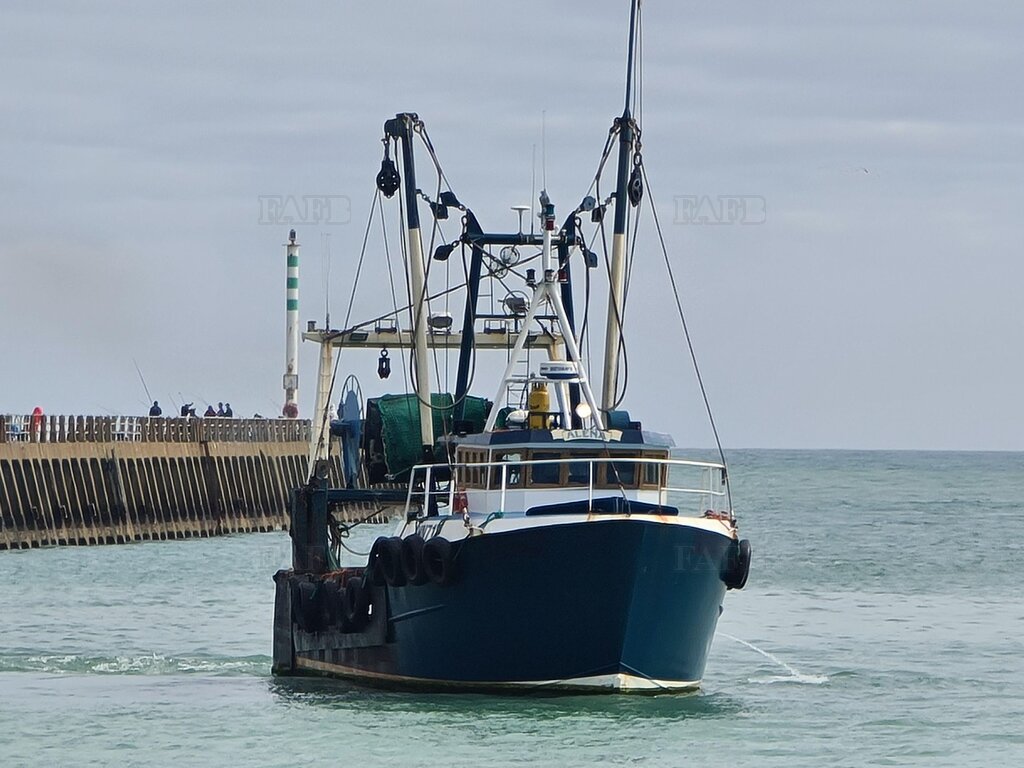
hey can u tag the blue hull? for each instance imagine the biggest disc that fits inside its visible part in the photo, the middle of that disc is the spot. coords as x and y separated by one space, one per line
581 604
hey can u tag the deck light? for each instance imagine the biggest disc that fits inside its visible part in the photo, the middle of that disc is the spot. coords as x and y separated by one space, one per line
440 321
516 305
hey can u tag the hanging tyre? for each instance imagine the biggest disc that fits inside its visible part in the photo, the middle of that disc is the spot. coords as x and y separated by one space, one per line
737 565
438 561
309 615
357 604
390 560
332 603
374 569
294 584
412 560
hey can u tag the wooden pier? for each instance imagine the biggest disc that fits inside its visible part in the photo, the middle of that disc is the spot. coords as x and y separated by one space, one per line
82 480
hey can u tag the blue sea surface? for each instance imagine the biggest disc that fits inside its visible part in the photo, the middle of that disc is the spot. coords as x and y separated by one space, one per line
883 624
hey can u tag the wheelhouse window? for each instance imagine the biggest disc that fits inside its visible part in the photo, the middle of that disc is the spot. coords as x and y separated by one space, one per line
652 475
578 473
621 473
471 474
545 474
513 470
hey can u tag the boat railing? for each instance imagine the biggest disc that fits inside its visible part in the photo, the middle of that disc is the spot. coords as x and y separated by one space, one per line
710 491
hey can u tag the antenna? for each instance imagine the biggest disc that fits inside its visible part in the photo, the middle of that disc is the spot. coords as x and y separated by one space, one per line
326 242
521 209
632 47
533 190
544 146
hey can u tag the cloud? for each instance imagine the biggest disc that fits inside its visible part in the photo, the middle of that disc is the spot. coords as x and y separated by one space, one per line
137 141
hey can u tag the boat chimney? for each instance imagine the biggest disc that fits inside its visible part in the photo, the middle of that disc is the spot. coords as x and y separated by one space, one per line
291 361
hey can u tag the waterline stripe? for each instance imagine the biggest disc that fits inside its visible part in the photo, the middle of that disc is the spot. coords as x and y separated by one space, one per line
618 682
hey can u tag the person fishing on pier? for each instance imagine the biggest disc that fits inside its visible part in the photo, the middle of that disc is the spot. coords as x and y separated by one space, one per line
156 410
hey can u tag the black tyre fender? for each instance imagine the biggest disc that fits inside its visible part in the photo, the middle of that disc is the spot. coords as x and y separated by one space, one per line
357 604
737 565
412 560
332 605
296 596
390 560
439 561
374 568
309 613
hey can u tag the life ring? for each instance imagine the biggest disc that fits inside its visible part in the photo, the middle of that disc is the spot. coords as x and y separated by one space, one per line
390 560
438 561
737 565
357 604
412 560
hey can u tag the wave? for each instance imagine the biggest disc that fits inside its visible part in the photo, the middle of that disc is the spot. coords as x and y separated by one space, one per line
794 676
144 664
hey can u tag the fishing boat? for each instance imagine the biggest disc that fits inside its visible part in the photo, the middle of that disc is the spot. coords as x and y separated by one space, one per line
544 541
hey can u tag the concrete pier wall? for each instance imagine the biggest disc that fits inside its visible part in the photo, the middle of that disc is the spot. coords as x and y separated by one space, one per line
80 480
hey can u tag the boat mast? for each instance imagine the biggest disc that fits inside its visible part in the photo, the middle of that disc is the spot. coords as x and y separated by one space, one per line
401 128
616 297
468 319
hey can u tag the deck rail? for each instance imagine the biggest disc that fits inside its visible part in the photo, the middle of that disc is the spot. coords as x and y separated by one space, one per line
22 428
710 492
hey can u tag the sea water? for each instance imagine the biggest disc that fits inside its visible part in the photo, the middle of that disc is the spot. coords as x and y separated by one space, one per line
883 624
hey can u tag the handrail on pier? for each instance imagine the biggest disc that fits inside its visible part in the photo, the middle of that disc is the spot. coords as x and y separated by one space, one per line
27 428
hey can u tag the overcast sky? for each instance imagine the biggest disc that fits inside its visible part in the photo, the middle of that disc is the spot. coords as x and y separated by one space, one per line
871 301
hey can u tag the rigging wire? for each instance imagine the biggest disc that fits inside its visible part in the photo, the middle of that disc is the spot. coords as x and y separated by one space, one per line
413 319
394 296
596 187
426 296
613 305
435 228
689 342
348 314
404 308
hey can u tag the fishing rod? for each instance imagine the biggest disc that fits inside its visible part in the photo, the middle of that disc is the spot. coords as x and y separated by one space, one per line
138 370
